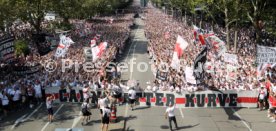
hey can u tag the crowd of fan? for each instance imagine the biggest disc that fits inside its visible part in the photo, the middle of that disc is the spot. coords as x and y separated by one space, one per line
22 90
242 77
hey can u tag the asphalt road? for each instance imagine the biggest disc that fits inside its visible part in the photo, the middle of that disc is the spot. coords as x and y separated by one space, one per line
67 115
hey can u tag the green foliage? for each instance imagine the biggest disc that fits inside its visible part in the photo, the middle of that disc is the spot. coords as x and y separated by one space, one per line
62 26
6 14
32 11
21 47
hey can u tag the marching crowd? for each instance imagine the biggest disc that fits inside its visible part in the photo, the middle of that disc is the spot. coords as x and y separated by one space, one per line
26 90
242 77
217 76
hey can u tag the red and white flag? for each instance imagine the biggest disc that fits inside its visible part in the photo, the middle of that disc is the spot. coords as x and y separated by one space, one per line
98 50
180 46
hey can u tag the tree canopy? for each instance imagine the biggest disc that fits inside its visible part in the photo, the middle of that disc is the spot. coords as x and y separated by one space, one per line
34 11
261 14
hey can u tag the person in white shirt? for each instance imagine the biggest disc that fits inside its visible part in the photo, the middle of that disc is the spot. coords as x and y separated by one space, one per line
16 93
105 118
272 110
5 102
85 92
102 103
49 102
38 91
132 97
262 96
170 113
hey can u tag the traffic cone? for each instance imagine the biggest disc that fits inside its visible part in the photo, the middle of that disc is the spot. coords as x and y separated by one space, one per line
113 118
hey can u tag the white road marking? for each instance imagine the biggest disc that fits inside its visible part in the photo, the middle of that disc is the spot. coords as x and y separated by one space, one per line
126 110
76 120
53 116
131 44
182 115
21 119
131 61
29 116
237 114
18 121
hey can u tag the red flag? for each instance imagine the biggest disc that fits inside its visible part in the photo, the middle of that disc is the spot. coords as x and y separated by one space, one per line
201 38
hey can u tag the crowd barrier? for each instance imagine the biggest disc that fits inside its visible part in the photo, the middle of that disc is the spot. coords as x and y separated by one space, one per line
230 98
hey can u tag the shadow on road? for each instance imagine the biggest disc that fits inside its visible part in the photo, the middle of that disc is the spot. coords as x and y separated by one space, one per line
90 123
142 108
231 115
179 128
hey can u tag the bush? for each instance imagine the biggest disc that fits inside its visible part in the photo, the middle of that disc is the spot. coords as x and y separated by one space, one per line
21 47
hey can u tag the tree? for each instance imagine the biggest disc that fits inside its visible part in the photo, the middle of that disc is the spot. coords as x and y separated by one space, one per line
257 12
230 12
7 14
32 11
68 8
21 47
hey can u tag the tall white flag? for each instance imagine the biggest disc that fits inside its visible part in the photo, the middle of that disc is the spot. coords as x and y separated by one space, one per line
180 46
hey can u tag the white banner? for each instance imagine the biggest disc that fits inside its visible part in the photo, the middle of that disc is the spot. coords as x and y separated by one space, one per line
189 75
266 55
201 99
231 58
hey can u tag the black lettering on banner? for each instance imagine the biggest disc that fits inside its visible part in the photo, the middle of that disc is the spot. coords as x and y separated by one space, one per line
222 99
170 99
190 99
233 99
81 96
61 97
73 96
200 100
148 97
159 101
212 99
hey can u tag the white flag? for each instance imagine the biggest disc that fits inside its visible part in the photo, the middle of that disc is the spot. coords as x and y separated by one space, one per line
180 45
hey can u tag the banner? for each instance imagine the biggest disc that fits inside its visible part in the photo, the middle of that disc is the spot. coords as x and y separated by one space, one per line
231 72
88 54
230 98
7 50
199 64
189 75
266 55
161 75
202 99
230 58
26 70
